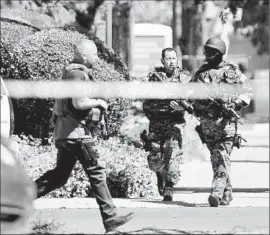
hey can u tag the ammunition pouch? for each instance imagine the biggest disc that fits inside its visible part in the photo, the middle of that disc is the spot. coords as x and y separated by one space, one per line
237 141
198 129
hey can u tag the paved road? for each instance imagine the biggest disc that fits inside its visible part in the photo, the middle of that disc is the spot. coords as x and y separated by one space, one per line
180 220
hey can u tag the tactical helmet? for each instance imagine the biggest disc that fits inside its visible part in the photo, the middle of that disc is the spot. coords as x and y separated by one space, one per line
216 43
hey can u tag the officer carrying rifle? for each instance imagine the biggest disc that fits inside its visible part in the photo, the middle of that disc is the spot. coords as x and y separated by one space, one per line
219 118
164 140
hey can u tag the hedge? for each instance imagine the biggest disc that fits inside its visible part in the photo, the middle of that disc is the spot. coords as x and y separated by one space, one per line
42 56
128 175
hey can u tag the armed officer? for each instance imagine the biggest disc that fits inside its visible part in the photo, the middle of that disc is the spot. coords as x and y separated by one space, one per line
218 129
164 140
75 140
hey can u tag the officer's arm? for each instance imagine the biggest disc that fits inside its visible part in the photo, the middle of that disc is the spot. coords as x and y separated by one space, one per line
87 103
84 103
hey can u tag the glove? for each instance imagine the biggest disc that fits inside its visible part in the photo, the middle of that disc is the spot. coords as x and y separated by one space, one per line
237 104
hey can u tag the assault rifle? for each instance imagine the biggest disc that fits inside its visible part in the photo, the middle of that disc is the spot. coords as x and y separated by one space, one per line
187 107
220 103
99 114
147 145
104 125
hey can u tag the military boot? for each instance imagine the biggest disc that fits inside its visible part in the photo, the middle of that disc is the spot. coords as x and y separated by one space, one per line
214 201
160 183
168 193
227 198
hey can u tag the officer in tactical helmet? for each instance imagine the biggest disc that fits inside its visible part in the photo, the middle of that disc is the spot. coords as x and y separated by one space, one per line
218 129
74 138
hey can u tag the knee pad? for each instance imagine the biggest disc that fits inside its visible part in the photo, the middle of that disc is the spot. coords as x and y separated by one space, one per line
220 174
172 176
155 162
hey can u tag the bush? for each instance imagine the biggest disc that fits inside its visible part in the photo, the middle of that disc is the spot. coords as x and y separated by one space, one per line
13 31
42 56
127 170
31 18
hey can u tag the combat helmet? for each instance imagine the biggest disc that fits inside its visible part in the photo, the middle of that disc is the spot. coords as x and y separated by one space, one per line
216 43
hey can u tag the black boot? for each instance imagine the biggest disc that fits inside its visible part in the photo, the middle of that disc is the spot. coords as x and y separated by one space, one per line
214 201
226 199
117 221
160 183
168 193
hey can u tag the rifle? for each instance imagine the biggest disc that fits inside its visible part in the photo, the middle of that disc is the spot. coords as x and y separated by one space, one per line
147 145
105 127
187 107
222 105
100 115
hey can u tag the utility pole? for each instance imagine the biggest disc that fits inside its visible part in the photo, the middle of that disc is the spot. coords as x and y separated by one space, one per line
177 27
109 24
121 33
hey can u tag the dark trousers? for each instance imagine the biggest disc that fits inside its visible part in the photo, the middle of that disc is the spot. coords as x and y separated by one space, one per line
69 151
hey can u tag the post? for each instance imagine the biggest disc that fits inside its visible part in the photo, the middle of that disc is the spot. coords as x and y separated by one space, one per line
109 24
177 28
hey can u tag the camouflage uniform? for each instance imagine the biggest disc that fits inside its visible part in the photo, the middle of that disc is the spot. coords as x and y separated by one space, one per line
165 134
219 131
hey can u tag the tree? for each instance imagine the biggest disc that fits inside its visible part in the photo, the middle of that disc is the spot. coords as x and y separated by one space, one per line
191 37
121 30
84 15
255 22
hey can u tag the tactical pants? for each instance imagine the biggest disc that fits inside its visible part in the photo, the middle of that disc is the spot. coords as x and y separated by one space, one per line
69 151
165 156
219 140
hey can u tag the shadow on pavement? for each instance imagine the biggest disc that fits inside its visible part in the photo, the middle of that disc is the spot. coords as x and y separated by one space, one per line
208 190
150 230
179 203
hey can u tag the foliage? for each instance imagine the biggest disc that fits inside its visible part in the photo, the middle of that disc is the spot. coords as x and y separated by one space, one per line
158 12
60 12
127 171
42 56
255 22
32 18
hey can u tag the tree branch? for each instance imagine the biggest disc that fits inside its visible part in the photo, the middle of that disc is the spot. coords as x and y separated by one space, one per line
86 18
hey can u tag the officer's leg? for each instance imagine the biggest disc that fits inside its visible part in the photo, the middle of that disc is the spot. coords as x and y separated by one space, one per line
220 158
227 195
155 157
88 156
173 156
58 176
156 164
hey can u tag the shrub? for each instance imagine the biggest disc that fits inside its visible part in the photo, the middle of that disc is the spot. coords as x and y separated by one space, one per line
32 18
42 56
12 31
127 171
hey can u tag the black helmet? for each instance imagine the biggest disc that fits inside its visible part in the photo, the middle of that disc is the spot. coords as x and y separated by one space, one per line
216 43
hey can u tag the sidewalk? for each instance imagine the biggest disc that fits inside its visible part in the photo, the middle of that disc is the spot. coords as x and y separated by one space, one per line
245 177
184 199
257 135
